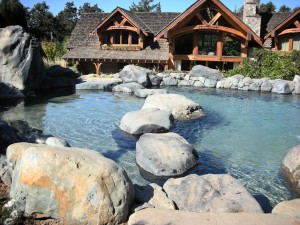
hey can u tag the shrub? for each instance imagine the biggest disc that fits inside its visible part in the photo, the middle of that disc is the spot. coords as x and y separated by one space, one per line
55 50
269 64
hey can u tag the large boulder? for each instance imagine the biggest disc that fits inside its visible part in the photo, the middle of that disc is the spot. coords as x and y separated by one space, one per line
73 185
58 82
140 75
175 217
128 88
8 136
7 91
59 71
297 88
21 61
170 81
291 208
281 87
180 106
144 93
210 193
206 72
291 168
146 121
164 155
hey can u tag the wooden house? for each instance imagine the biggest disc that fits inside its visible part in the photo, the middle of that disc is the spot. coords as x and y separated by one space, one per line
206 33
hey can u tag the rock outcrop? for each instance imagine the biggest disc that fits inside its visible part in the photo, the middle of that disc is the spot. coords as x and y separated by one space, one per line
180 106
165 155
21 61
73 185
163 217
146 121
291 168
210 193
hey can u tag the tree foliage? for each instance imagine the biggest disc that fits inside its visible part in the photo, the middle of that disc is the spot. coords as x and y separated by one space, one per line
269 64
284 8
87 8
12 12
145 6
267 8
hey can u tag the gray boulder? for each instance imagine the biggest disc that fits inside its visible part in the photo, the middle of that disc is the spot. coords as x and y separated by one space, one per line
210 193
106 84
164 155
7 91
73 185
281 87
231 83
178 76
170 81
144 93
266 86
203 71
297 88
128 88
146 121
291 168
140 75
59 71
186 83
255 86
58 82
180 106
8 136
209 83
155 80
5 172
21 61
56 142
154 195
296 78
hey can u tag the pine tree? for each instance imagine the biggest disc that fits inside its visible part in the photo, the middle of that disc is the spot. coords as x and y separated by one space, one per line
145 6
284 8
12 12
267 8
87 8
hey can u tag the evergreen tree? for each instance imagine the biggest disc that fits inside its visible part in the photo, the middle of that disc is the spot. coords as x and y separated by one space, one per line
87 8
66 21
267 8
12 12
284 8
41 21
144 6
158 7
296 8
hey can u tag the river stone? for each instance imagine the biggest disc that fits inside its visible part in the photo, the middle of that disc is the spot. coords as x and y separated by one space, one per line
291 168
210 193
146 121
176 217
255 86
140 75
144 93
170 81
291 208
210 83
281 87
180 106
154 195
266 86
231 83
21 61
128 88
56 142
7 91
203 71
164 155
73 185
155 80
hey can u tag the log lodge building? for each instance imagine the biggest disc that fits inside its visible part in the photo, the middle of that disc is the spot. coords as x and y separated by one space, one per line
206 33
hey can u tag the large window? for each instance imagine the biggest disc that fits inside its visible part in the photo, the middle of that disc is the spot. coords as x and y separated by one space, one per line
231 46
120 37
207 44
184 44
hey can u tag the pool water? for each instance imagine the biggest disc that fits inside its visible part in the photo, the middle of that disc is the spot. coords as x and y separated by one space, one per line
245 134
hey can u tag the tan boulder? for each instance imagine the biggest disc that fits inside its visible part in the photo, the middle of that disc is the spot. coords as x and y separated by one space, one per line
163 217
73 185
291 208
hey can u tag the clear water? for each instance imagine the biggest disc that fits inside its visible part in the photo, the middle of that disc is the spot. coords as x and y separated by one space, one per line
245 134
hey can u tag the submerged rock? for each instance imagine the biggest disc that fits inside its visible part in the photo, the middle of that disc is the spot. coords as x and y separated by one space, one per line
73 185
164 155
146 121
21 61
291 168
180 106
210 193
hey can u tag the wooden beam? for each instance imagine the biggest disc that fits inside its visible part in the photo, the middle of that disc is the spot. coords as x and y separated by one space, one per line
220 44
216 17
244 49
297 24
116 22
195 42
123 22
111 39
130 38
97 67
290 31
203 21
122 28
208 58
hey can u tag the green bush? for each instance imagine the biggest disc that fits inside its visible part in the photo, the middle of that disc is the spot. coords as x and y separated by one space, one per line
55 50
269 64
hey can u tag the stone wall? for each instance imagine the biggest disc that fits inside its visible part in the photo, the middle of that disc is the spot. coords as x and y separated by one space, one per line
250 16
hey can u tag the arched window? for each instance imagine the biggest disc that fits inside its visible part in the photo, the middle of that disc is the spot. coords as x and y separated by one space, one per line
231 46
207 43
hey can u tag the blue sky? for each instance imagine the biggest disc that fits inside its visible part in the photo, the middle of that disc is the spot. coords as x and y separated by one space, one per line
166 5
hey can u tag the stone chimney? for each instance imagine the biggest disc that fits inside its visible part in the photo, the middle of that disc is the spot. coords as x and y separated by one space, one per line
250 16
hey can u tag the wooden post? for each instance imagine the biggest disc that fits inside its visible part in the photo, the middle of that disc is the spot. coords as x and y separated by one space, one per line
111 39
195 42
166 67
97 67
244 47
220 44
276 43
121 37
141 41
130 38
290 43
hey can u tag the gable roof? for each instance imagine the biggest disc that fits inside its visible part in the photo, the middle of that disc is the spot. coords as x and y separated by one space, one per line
282 22
221 6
